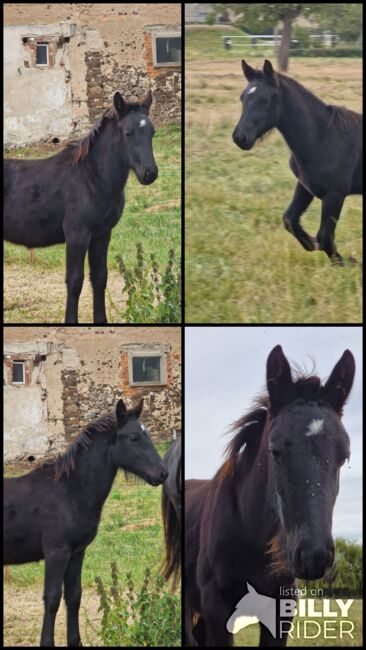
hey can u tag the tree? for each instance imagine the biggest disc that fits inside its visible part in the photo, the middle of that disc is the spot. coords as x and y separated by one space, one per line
343 19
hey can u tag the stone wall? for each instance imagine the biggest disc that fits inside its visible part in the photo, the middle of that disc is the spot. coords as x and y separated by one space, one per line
95 50
76 374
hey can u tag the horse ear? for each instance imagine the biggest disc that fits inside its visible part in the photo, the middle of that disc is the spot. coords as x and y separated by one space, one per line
146 103
249 72
268 68
121 411
119 104
338 386
269 72
138 408
280 386
251 589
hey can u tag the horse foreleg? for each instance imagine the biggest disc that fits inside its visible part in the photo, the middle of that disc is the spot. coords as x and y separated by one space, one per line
331 209
55 564
98 251
72 595
291 218
76 247
215 615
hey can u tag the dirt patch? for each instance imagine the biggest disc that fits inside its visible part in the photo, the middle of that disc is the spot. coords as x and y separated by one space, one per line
23 613
141 524
40 295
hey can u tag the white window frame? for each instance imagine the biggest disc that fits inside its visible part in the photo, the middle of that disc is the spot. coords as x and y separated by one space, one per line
43 65
18 383
168 34
143 353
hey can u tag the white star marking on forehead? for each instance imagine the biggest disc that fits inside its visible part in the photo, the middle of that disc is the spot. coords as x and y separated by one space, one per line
315 427
142 122
252 90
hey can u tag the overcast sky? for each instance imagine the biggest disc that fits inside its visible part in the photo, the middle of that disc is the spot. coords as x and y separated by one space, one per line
225 370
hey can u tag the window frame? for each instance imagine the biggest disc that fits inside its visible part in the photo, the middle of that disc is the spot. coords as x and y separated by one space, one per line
43 65
18 383
143 353
166 34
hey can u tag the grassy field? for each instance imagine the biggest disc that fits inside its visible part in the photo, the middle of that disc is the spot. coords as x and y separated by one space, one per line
241 264
37 293
130 533
250 636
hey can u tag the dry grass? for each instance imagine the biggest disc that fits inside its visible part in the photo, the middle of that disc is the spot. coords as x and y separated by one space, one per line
38 295
241 264
23 614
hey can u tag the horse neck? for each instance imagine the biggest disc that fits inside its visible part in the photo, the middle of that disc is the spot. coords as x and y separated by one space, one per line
303 119
109 155
94 473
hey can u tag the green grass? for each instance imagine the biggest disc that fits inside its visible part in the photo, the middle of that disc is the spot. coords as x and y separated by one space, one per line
207 43
250 636
241 264
151 216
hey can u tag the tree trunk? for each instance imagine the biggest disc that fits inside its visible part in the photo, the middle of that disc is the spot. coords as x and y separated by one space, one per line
284 50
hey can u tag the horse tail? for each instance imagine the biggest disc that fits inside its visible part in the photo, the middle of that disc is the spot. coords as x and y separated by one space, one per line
172 537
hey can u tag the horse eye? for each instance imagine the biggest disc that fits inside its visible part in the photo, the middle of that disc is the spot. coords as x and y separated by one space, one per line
133 437
264 100
128 133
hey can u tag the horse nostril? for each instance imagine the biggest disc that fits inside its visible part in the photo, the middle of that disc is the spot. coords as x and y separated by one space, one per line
298 558
146 174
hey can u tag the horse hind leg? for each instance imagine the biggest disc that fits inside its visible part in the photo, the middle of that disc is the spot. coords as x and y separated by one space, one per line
55 564
291 218
72 595
331 210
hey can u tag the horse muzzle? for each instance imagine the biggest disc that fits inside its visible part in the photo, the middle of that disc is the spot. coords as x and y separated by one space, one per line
242 141
311 563
147 175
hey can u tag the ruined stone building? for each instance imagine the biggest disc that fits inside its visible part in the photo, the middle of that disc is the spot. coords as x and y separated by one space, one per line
63 62
58 379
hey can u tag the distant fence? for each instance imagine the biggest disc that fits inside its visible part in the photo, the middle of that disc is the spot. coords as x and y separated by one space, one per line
326 44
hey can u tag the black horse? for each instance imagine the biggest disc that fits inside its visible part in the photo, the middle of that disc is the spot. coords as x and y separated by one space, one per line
325 143
53 512
171 505
266 516
77 196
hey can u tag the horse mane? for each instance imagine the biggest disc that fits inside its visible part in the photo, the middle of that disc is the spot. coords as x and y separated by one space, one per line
248 431
83 146
342 118
65 463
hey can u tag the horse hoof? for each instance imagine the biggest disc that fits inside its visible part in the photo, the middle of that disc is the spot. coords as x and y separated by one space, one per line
352 260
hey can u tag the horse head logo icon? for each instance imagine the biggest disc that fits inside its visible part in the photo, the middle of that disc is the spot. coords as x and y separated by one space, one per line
253 608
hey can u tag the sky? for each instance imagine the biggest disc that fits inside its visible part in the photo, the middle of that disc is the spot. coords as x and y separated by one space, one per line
225 371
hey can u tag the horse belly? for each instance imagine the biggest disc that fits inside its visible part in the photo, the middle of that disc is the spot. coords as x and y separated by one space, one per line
22 543
36 228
